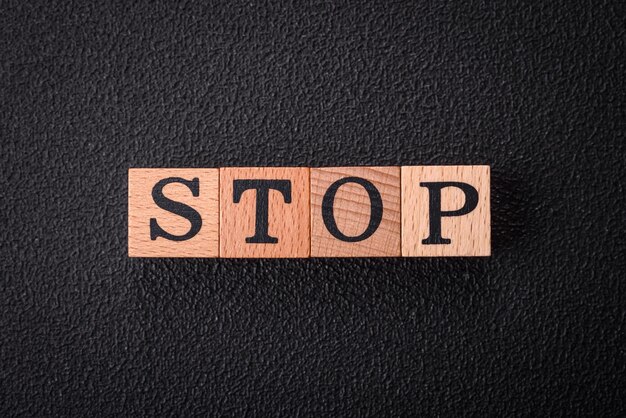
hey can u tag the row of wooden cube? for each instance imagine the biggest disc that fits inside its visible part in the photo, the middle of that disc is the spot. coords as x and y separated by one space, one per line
324 212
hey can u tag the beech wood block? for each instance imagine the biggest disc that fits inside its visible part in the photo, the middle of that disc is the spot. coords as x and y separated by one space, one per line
355 212
264 212
445 211
173 212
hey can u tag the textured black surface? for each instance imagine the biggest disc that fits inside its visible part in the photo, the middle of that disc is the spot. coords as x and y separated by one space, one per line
537 91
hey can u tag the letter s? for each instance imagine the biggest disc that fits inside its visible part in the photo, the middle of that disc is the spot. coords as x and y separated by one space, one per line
177 208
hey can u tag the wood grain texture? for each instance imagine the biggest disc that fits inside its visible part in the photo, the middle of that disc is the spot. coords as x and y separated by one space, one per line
141 208
288 222
470 234
352 211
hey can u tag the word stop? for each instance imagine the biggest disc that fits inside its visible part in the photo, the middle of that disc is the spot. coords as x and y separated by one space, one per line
291 212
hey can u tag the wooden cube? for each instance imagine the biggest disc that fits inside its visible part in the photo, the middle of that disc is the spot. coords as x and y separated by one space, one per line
355 212
445 211
173 212
264 212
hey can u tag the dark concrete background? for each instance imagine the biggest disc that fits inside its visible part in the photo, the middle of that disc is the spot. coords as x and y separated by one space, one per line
536 90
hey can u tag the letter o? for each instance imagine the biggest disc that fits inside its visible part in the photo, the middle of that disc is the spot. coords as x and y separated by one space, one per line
328 214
